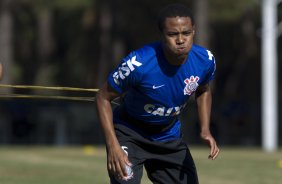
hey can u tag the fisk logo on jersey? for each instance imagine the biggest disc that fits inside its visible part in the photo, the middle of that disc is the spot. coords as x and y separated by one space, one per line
191 85
125 69
163 111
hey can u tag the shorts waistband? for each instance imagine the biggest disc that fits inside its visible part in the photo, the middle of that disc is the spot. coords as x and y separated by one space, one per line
145 126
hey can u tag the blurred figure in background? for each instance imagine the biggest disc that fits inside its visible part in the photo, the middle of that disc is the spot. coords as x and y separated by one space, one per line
155 83
1 71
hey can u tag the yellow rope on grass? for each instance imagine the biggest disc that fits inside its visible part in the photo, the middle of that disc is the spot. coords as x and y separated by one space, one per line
22 96
59 88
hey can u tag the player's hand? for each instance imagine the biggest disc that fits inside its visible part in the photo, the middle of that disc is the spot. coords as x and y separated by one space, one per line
117 159
214 150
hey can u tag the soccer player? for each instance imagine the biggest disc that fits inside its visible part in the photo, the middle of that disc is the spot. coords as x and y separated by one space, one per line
155 83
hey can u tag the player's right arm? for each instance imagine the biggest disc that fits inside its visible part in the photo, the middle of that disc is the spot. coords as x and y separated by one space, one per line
116 157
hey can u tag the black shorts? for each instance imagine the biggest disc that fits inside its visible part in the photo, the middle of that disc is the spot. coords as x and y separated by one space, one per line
165 162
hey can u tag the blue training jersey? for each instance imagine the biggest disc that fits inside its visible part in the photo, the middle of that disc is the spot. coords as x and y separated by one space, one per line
155 91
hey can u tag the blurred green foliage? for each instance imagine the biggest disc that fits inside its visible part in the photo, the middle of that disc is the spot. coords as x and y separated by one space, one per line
77 42
227 11
66 5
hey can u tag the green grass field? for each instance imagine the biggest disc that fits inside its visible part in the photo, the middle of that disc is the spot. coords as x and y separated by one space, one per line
85 165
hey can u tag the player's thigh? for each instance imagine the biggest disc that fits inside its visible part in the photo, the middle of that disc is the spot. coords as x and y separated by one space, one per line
137 165
135 156
178 167
136 179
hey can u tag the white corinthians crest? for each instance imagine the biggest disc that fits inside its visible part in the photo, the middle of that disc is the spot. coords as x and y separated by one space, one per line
191 85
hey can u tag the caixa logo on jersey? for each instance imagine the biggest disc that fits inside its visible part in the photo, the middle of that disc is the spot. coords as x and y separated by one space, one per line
125 69
191 85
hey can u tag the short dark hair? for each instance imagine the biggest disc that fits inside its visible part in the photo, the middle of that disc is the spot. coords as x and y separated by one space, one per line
173 10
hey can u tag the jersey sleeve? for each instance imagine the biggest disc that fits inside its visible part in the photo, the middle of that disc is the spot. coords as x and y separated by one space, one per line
212 69
127 74
210 75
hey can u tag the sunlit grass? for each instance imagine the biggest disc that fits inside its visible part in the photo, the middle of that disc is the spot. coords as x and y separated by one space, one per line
84 165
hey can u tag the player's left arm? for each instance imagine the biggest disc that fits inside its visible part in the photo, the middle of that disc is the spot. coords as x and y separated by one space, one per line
204 101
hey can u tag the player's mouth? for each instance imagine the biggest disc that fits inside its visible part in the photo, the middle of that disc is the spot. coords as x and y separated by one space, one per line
181 50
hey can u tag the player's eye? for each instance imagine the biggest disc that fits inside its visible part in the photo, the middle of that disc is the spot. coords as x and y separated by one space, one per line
187 33
172 34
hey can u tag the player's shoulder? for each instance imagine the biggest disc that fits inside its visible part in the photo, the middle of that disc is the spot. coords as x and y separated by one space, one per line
202 53
146 56
148 51
142 59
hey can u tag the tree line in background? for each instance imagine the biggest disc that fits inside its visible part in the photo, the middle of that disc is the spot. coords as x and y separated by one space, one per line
76 43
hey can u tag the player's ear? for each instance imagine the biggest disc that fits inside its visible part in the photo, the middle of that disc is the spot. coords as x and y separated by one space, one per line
193 30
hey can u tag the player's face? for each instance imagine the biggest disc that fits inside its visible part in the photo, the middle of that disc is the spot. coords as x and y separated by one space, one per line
178 36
